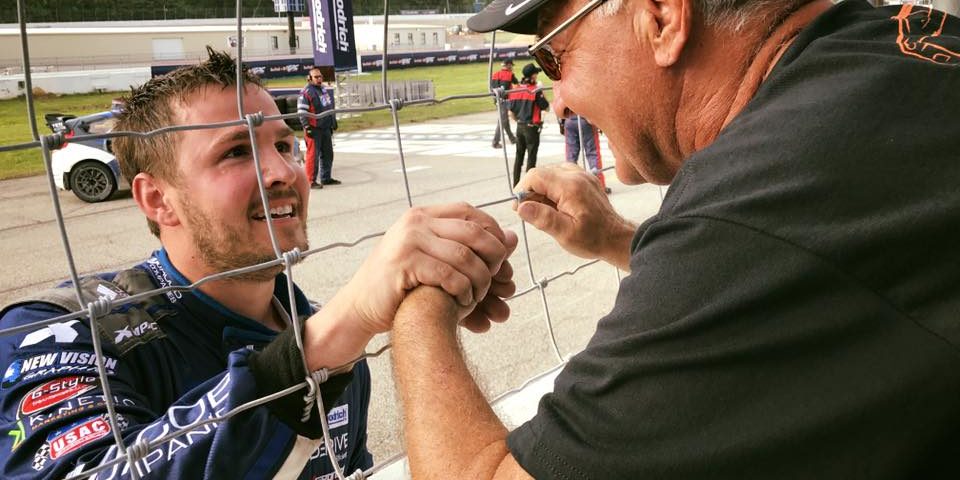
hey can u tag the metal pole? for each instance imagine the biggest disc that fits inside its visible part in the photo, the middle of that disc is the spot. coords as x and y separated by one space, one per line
292 33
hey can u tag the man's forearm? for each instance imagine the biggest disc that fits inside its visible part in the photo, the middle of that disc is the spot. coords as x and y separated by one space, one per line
450 431
618 253
332 336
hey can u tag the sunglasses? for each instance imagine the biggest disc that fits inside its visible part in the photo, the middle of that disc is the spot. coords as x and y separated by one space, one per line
549 59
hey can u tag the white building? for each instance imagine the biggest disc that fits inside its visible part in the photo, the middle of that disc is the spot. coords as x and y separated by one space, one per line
68 46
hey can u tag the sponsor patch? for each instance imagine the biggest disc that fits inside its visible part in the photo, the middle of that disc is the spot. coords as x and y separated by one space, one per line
41 456
54 392
75 407
76 436
73 437
163 279
51 363
110 291
133 332
12 374
338 417
51 372
62 332
18 434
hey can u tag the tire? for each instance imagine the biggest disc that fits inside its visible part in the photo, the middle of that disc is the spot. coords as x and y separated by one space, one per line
92 181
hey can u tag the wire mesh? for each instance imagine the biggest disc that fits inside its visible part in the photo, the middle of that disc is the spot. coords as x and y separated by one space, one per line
131 453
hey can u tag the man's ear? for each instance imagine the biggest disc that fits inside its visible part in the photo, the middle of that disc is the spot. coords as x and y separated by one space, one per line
665 26
150 193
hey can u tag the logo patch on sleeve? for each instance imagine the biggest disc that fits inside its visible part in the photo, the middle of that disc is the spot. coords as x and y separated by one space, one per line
62 332
338 417
54 392
76 436
129 328
50 364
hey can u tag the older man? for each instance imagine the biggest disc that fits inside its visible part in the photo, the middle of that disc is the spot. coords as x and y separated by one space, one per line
792 310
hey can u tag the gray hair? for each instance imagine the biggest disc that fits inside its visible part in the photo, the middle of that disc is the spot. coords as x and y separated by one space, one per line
724 14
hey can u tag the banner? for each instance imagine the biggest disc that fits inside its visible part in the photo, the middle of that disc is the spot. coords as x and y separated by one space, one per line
331 27
299 66
442 57
345 44
320 32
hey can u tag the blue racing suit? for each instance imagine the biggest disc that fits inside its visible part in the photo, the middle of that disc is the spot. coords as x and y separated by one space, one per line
172 360
318 132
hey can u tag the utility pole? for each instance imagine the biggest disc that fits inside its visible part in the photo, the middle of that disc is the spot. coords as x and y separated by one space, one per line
292 33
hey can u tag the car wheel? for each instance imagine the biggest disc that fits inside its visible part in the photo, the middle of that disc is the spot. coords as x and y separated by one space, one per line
92 181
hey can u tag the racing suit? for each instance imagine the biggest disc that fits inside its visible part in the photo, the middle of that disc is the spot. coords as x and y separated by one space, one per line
504 79
527 105
318 132
172 360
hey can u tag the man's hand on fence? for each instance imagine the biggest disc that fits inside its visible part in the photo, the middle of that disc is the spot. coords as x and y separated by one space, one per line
569 204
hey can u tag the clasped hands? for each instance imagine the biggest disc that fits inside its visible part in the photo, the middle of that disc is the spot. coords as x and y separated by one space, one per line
464 252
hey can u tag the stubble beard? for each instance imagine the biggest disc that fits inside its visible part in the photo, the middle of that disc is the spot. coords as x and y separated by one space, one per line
227 248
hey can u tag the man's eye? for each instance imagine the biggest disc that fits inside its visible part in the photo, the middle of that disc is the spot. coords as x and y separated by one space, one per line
238 151
284 147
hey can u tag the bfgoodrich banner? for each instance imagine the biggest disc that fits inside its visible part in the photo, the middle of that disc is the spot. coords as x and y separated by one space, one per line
331 26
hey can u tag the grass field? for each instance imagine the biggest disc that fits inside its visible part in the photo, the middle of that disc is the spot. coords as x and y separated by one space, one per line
447 80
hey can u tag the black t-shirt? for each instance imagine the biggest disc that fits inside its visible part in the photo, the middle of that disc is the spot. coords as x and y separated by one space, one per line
793 310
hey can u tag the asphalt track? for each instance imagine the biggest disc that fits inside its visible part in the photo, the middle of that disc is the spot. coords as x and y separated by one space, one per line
447 160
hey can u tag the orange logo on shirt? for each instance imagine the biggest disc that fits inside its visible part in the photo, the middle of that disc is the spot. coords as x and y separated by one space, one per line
920 36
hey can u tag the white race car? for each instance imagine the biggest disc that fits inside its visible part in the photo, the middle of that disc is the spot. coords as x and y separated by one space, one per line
87 167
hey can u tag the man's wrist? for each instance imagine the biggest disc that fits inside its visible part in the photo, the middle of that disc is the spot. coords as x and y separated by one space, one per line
618 248
334 336
437 312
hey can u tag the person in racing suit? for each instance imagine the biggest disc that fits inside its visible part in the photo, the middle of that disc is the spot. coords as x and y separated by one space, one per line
180 358
318 132
184 353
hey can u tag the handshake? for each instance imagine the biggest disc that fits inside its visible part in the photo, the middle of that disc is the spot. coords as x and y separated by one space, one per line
457 248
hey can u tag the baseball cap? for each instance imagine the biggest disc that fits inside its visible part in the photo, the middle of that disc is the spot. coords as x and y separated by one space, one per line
529 69
517 16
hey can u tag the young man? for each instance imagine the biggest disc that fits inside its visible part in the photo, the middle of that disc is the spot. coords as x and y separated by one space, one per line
527 105
505 79
182 357
318 132
792 310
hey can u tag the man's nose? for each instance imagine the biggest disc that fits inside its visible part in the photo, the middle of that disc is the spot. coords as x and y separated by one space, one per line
276 167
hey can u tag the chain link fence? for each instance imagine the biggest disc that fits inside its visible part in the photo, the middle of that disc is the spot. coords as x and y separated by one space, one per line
129 454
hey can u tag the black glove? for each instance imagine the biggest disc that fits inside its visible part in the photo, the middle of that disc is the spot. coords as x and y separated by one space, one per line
562 129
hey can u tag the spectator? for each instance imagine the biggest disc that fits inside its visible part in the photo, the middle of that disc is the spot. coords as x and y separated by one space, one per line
791 311
577 132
